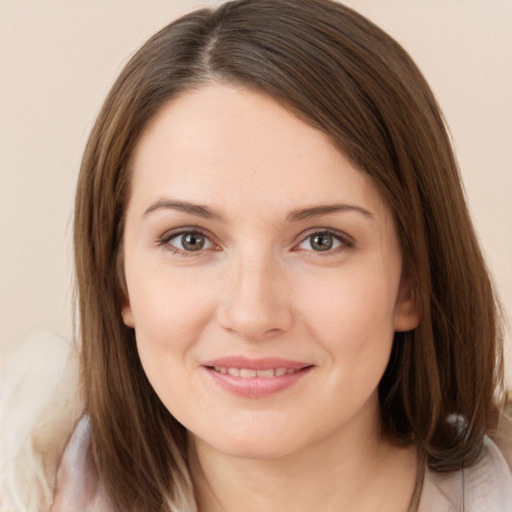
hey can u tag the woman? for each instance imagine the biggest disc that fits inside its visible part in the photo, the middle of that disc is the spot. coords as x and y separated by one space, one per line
282 301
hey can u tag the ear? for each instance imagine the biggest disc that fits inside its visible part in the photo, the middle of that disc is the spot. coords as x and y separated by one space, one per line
127 314
407 316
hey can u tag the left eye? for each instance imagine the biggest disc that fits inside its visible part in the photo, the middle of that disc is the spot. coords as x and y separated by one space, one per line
321 242
190 241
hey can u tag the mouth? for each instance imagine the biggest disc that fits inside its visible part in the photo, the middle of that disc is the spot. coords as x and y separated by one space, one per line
256 378
250 373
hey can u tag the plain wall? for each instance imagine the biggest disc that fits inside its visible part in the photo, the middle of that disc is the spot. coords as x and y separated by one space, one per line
59 57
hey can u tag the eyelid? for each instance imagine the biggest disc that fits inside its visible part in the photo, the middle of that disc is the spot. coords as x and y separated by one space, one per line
346 240
164 239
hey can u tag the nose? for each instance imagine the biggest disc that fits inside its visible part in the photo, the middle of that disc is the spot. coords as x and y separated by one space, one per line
256 304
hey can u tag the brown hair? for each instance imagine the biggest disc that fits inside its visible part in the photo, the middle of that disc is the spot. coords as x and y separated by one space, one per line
343 75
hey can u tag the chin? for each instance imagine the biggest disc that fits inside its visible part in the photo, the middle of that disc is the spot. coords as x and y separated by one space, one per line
260 445
259 450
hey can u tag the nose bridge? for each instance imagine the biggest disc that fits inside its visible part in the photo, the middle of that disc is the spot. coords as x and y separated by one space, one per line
255 281
256 305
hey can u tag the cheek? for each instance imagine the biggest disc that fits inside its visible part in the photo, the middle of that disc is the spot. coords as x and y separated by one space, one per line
166 302
353 318
350 303
169 314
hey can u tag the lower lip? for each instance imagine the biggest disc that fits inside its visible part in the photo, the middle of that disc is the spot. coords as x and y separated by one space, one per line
256 387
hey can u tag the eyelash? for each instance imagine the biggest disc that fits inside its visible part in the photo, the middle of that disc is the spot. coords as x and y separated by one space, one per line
164 240
346 241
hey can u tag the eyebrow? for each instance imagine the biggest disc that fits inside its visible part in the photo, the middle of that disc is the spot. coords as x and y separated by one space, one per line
294 216
183 206
317 211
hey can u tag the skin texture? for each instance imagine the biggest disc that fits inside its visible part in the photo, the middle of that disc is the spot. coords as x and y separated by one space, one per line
258 288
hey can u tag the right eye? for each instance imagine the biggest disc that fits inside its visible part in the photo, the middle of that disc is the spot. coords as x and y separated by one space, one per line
321 242
188 241
325 241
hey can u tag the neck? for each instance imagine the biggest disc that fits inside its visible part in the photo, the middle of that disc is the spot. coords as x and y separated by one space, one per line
353 469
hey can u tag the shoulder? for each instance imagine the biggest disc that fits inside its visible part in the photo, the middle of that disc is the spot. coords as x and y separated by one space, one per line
40 405
486 486
79 488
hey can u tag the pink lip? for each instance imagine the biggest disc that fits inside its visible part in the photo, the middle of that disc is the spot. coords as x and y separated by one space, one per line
256 387
256 364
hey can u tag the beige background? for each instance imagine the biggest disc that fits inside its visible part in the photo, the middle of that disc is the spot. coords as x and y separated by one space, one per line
59 57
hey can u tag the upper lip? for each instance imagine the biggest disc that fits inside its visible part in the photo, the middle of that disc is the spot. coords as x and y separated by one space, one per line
264 363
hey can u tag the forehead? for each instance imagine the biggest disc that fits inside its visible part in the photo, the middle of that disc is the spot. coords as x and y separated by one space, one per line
233 146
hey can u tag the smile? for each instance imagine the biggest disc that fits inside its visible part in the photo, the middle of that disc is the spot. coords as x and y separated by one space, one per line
256 378
248 373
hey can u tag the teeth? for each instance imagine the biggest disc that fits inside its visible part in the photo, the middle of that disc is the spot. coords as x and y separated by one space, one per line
266 373
248 373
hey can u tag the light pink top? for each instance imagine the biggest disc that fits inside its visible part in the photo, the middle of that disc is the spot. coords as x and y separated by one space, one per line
79 488
484 487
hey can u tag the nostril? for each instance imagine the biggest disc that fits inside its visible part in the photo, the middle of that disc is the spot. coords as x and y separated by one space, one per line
254 309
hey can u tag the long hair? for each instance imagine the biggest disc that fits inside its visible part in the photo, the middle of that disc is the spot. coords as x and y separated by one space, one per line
340 73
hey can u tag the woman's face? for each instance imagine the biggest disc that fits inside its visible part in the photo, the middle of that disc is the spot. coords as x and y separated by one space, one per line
263 275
